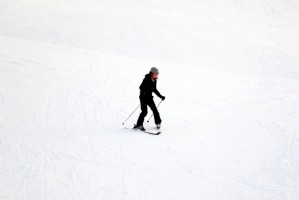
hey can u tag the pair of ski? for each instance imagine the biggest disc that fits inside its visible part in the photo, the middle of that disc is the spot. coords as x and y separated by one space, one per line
148 132
152 133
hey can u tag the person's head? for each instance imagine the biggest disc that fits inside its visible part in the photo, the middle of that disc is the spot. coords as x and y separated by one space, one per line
154 72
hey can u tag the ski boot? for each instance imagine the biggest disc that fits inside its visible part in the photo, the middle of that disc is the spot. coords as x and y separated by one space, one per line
139 127
158 126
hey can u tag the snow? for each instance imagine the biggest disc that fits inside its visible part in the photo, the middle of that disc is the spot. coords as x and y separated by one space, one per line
70 72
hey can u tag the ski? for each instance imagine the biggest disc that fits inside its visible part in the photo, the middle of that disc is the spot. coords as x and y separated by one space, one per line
152 133
148 132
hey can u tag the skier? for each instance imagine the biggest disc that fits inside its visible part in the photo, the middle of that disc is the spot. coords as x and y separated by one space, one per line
148 86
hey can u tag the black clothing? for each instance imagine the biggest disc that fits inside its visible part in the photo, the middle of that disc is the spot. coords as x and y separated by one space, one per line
147 87
144 103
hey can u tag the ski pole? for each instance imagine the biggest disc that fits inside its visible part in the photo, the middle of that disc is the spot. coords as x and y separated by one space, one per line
153 113
130 115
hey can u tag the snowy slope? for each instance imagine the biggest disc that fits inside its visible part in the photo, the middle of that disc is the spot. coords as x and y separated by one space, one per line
70 72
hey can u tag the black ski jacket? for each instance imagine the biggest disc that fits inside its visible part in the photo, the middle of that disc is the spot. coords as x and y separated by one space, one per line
147 87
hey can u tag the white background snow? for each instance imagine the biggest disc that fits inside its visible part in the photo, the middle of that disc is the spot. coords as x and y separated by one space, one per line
69 77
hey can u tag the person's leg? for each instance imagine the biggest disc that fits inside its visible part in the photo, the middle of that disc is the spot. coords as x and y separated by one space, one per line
153 107
142 114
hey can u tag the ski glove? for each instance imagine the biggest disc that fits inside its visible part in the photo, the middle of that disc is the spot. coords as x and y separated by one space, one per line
163 97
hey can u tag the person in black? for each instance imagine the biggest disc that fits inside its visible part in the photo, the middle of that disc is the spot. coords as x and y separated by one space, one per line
147 87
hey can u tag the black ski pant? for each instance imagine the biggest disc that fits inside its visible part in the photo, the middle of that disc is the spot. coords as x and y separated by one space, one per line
144 102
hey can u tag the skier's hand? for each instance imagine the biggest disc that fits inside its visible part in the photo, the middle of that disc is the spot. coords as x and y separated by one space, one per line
163 97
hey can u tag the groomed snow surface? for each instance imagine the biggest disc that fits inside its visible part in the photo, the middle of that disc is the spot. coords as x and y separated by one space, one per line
69 77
